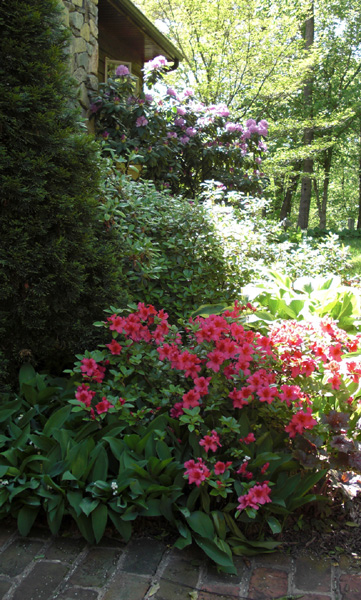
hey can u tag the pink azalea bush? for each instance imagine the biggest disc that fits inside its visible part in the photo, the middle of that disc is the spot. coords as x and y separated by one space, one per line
254 421
178 141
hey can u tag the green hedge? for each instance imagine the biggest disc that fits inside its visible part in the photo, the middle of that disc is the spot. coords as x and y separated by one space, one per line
57 272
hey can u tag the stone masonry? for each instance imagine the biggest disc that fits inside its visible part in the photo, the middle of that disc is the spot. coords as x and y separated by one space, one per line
81 16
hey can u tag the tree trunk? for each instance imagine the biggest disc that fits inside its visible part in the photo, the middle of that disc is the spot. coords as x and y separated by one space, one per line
287 201
359 189
326 182
306 186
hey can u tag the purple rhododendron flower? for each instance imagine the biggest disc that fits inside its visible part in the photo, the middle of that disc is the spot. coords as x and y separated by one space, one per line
171 134
191 132
184 139
148 98
156 64
188 92
171 92
95 107
179 122
181 110
141 122
121 71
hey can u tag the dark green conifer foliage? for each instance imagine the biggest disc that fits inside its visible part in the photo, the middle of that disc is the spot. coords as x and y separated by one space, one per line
56 266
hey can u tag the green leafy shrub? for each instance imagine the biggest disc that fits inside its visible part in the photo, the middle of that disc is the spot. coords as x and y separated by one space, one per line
217 428
57 267
170 252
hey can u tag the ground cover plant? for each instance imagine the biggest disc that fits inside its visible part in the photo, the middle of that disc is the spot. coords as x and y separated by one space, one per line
216 427
173 139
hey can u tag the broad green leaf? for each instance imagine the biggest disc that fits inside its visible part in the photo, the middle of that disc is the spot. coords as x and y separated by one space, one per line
201 524
123 527
87 505
210 309
26 373
220 557
99 518
274 524
26 518
57 420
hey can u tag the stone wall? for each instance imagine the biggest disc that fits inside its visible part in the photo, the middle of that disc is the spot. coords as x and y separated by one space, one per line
81 16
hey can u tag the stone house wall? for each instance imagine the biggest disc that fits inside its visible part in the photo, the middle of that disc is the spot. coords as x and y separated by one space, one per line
81 16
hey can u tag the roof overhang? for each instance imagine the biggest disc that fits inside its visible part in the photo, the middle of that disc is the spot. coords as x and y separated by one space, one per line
155 42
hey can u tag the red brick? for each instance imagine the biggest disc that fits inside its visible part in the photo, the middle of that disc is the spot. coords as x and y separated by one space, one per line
268 583
126 586
350 587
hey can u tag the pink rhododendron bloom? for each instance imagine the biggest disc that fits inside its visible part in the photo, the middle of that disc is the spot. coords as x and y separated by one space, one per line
177 410
146 311
188 92
191 399
84 394
121 71
114 347
238 398
201 385
88 366
250 437
216 359
181 110
103 406
220 467
267 394
210 442
256 496
336 352
264 468
171 92
184 139
243 471
148 98
300 421
141 122
179 122
196 472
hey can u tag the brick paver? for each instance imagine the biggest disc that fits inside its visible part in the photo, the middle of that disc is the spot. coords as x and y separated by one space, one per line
313 575
44 567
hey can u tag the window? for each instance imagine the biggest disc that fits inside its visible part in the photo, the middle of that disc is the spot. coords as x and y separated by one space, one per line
112 65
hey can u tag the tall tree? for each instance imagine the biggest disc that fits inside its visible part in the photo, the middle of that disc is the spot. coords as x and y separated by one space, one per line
306 183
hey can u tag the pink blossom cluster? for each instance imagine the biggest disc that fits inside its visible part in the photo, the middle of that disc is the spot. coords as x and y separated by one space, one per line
196 472
156 64
306 347
259 494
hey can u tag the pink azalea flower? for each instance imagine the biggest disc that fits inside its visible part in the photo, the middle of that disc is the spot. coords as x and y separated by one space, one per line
103 406
114 347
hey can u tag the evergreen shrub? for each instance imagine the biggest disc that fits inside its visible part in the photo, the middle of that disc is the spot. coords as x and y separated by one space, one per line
57 271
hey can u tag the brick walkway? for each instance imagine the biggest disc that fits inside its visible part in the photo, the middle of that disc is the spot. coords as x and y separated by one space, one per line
41 567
